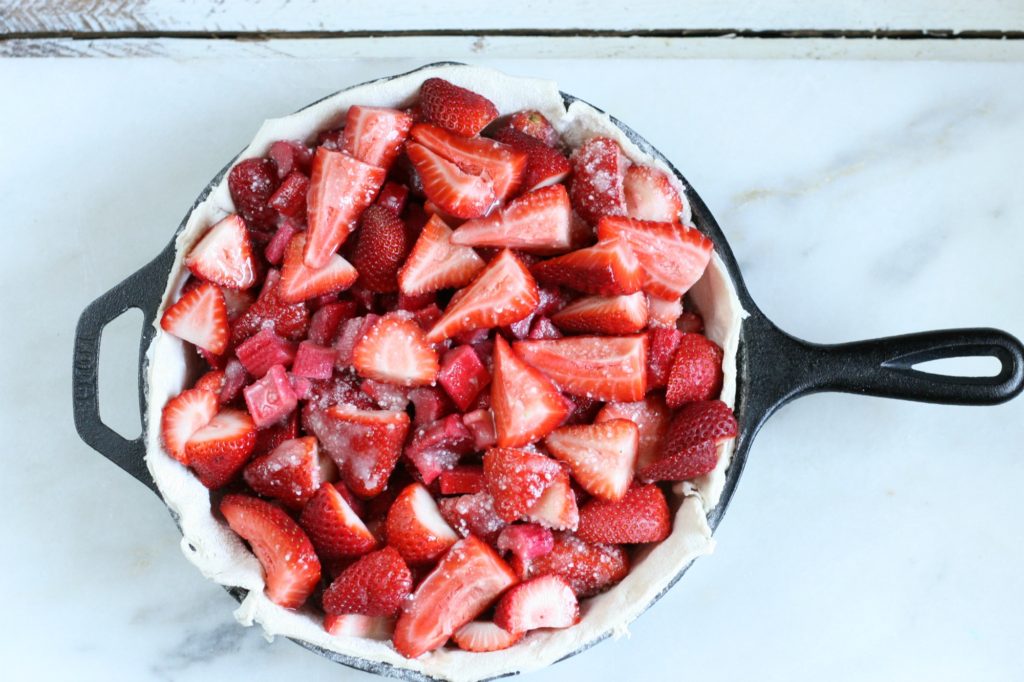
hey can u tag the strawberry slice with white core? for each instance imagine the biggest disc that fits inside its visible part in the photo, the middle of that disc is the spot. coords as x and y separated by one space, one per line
544 602
673 257
291 473
482 635
291 567
650 195
396 351
375 135
526 405
502 164
651 417
182 416
453 190
224 255
556 508
609 268
200 317
516 479
466 581
601 456
537 222
300 282
416 528
435 263
664 312
597 367
340 188
357 625
604 315
503 293
220 449
334 527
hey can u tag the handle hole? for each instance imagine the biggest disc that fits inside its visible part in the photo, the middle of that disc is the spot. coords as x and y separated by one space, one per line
119 374
976 366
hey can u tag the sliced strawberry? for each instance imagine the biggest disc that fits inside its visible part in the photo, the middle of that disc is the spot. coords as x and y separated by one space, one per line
690 444
468 579
473 515
543 328
534 124
300 282
696 371
543 602
556 508
538 222
480 423
545 165
454 108
375 585
355 625
393 196
386 396
480 635
212 381
290 198
598 170
395 350
601 456
604 314
352 332
288 320
463 480
504 165
526 405
651 417
224 255
333 526
199 317
220 449
650 195
589 569
435 263
673 257
640 516
526 541
270 399
415 527
516 479
463 376
375 135
365 444
251 183
182 416
662 343
598 367
609 268
291 473
381 248
290 565
437 447
340 188
664 312
502 293
461 194
264 350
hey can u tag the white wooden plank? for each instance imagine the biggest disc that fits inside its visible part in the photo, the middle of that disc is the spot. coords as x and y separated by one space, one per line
97 16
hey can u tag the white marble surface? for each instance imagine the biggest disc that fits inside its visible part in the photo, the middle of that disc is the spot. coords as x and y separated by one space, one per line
868 540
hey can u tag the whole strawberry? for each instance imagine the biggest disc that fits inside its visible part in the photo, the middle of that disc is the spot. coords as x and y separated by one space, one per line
375 585
381 249
456 109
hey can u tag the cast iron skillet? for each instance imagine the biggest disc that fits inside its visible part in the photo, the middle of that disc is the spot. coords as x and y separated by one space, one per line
773 368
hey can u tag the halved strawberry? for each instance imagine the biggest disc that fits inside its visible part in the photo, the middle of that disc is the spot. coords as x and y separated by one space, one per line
534 124
598 170
396 351
381 247
650 195
182 416
543 602
502 293
461 194
463 480
365 444
664 312
300 282
199 317
640 516
251 183
526 405
598 367
333 526
291 567
466 581
662 343
691 323
556 508
696 371
526 541
212 381
375 585
288 320
435 263
481 635
609 268
220 449
587 568
604 314
537 222
340 188
416 528
691 442
375 135
292 472
601 456
473 514
651 417
516 479
673 257
545 165
224 255
455 108
504 165
355 625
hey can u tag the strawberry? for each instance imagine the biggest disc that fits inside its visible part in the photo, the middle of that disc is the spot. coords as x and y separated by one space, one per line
526 541
588 569
598 170
691 323
480 156
333 526
650 195
386 396
651 417
662 343
545 165
365 444
473 515
459 110
598 367
291 567
393 196
375 585
270 399
381 247
289 156
543 602
300 282
480 635
415 527
290 198
339 189
463 376
601 456
604 314
673 257
220 449
609 268
264 350
375 135
543 328
463 480
640 516
395 350
251 183
526 405
224 255
501 293
291 473
466 581
199 317
516 479
438 446
538 221
696 371
664 312
556 508
355 625
534 124
182 416
435 263
690 444
455 191
288 320
351 332
480 423
212 381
